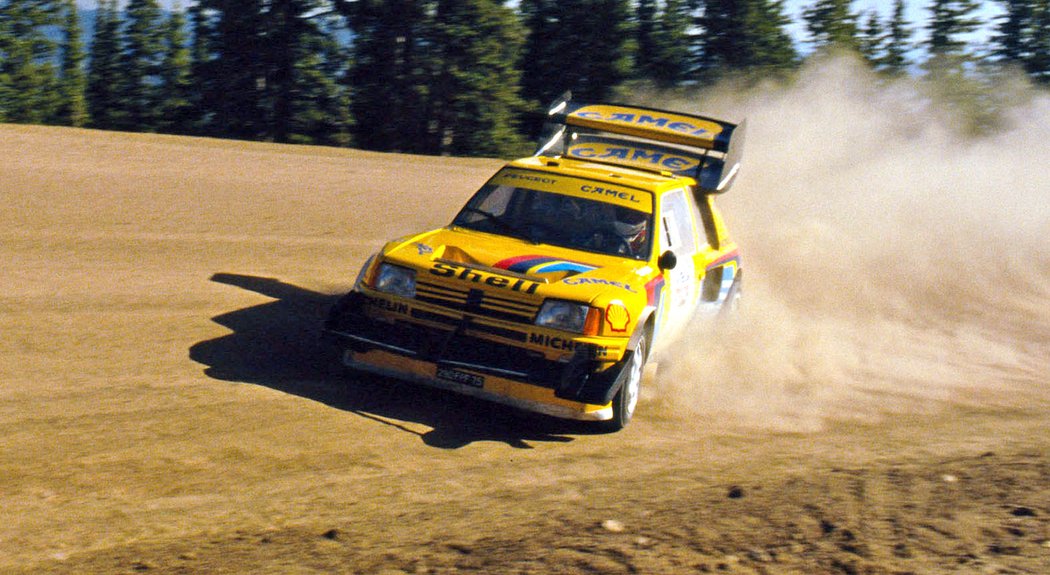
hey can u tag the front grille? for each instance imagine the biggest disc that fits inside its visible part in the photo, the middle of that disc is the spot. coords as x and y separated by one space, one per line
454 322
459 343
476 302
456 348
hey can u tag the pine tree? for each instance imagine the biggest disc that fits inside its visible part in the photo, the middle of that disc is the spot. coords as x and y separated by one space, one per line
962 87
598 49
951 21
268 70
1039 62
203 23
321 102
1013 39
646 57
581 46
871 39
104 68
898 41
27 73
1023 36
140 66
832 25
772 49
748 36
723 45
231 73
284 40
671 55
300 53
387 76
541 52
473 95
174 90
73 108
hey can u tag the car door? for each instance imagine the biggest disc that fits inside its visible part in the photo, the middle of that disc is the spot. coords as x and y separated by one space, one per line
677 233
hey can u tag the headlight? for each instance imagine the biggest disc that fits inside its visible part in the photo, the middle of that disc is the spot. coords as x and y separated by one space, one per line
396 280
564 315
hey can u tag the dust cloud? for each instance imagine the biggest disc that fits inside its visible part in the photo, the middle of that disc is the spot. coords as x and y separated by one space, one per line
894 262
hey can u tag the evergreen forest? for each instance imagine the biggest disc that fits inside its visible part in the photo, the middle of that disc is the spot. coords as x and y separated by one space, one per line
457 77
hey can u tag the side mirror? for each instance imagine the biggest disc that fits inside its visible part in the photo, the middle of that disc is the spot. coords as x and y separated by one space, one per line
667 261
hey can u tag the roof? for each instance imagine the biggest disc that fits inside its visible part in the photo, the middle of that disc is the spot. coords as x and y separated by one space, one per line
623 175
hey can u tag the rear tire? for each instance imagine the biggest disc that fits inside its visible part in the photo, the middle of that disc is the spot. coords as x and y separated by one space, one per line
626 400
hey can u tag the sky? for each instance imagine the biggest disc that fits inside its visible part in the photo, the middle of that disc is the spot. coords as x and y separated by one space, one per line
914 11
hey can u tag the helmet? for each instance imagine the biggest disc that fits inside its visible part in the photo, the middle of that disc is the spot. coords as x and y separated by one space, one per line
629 224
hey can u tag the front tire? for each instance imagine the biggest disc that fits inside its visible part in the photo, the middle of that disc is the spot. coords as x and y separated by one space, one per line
626 399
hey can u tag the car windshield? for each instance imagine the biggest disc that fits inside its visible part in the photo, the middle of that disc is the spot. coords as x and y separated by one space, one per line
558 219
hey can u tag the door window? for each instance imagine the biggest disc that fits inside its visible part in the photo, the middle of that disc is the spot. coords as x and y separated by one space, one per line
678 224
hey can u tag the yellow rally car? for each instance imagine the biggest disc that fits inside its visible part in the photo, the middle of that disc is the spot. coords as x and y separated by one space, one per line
556 282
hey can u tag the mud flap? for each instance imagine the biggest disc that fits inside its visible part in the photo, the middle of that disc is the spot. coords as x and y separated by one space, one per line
579 381
728 307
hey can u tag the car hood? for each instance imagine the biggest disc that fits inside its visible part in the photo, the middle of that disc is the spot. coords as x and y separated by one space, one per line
558 271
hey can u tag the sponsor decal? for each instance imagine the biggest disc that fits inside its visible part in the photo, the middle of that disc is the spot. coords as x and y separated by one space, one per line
598 281
617 316
447 270
658 121
653 290
384 304
565 344
730 262
577 187
423 249
609 192
635 156
528 178
732 258
554 342
534 264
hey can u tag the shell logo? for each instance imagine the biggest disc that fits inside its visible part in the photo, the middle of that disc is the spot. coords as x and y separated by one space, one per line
617 316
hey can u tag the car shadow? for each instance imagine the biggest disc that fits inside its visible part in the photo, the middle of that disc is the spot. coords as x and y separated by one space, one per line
278 345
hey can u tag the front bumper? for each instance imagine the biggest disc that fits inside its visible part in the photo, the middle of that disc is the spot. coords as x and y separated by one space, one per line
474 357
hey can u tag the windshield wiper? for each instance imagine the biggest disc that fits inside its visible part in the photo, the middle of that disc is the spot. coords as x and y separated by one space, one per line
501 223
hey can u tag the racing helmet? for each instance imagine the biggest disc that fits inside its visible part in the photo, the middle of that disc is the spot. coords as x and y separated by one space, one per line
630 225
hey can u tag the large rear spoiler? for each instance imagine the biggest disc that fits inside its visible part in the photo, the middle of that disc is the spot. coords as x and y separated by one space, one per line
706 149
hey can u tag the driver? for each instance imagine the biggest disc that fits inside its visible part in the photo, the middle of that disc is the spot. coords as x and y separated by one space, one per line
630 226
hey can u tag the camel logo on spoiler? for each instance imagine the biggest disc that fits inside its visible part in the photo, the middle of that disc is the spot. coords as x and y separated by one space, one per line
634 156
663 121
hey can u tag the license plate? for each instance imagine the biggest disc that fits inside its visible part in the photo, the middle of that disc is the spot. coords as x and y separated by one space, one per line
457 376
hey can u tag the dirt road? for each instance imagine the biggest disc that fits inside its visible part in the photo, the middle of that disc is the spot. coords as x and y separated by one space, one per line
166 407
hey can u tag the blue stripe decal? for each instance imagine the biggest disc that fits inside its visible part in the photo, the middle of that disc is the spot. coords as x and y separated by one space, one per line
564 267
524 266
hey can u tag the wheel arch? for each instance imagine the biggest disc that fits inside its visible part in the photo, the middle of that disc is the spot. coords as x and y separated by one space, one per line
646 328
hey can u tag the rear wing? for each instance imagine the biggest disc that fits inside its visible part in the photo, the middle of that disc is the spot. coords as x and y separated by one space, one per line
706 149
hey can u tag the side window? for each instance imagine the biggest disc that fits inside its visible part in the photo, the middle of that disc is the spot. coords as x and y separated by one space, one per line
708 219
497 200
705 229
677 223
